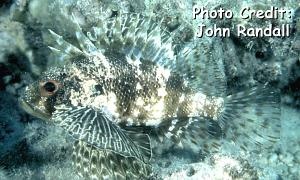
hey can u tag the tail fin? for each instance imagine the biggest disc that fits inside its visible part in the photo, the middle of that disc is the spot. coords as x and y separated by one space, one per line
252 117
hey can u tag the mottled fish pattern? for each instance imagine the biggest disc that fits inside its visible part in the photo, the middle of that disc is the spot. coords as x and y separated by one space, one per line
122 85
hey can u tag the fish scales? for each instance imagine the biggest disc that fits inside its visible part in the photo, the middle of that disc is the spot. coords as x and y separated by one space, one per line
138 93
124 85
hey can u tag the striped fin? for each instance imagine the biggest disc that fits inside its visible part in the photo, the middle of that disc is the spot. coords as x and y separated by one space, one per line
203 70
94 163
97 128
85 44
136 36
63 49
252 118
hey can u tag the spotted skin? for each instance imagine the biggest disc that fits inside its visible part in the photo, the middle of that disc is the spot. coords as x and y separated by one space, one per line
127 72
138 93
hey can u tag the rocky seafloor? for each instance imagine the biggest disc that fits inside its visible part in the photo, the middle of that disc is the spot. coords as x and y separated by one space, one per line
33 149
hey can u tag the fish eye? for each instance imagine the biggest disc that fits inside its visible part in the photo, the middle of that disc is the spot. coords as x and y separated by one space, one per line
48 88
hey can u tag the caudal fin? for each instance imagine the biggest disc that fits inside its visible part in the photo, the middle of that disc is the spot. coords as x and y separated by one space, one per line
252 118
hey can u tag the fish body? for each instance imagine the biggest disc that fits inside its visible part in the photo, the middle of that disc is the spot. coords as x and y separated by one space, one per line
124 78
134 93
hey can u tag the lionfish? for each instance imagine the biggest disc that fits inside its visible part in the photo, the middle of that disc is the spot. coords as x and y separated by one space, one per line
124 84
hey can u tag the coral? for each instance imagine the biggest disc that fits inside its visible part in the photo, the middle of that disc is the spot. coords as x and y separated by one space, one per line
216 167
11 126
33 150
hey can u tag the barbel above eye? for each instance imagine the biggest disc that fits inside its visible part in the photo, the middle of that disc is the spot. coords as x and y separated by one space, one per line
48 88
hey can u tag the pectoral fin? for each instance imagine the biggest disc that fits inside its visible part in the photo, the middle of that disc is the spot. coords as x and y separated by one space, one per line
97 129
94 163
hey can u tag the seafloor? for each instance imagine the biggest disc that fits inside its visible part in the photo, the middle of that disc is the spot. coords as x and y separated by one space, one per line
33 149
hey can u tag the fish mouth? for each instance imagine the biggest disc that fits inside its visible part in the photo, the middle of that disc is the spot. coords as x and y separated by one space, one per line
30 109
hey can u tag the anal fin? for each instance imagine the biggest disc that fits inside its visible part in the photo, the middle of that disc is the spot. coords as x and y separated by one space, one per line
193 131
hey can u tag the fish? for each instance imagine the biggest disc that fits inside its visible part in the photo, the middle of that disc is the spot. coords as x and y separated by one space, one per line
124 83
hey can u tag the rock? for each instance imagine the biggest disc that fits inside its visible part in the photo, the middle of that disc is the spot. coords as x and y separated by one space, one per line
247 62
287 158
191 171
273 158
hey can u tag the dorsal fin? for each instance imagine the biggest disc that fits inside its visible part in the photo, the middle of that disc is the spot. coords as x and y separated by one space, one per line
63 49
138 37
202 69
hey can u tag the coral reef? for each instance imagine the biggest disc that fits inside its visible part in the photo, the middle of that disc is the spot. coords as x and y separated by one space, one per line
34 150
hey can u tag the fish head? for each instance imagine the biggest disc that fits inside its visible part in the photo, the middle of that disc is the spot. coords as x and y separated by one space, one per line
40 98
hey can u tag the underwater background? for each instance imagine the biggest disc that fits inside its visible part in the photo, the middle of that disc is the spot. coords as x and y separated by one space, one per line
33 149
